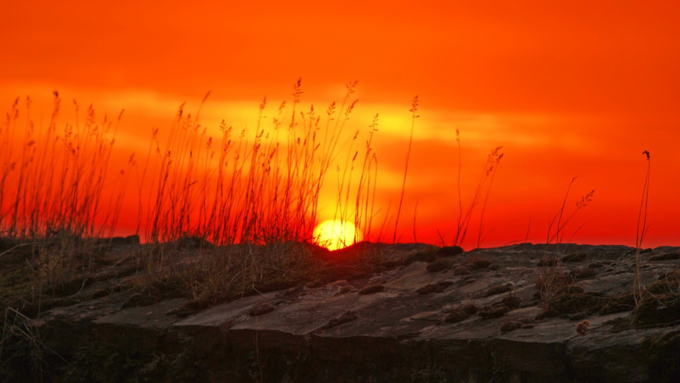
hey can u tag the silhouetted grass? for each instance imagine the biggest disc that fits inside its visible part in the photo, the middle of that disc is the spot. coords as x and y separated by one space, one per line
641 232
483 188
260 186
257 186
58 194
413 110
54 177
551 279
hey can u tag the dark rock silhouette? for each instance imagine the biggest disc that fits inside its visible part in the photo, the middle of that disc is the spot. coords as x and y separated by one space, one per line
404 322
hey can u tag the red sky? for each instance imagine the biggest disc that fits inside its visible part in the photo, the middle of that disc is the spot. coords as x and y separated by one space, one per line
568 88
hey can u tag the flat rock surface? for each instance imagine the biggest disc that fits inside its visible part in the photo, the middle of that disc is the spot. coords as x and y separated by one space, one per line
333 333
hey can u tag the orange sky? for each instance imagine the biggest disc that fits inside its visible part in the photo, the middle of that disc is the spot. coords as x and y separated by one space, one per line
567 88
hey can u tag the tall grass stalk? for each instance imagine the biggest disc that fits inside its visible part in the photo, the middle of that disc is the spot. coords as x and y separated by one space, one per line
494 159
641 232
550 280
558 236
488 174
414 116
58 182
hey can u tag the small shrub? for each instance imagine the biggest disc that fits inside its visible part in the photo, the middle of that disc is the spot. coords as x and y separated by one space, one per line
489 312
657 310
441 264
618 303
573 303
434 288
582 327
450 251
511 301
477 264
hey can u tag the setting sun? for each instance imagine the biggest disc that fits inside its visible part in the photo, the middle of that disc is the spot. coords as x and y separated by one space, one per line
334 234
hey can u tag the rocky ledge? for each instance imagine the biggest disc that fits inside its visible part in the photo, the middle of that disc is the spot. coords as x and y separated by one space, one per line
522 313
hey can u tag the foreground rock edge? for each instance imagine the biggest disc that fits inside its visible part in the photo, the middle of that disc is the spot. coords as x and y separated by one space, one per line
394 333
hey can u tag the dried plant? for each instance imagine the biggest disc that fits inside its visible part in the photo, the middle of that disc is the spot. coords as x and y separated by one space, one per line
558 236
582 327
551 280
59 193
485 183
414 116
57 182
641 232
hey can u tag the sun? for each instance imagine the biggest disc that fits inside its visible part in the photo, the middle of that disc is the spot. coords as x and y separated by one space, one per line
334 234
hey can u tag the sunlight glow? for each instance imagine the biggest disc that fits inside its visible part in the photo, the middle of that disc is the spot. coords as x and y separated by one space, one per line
334 234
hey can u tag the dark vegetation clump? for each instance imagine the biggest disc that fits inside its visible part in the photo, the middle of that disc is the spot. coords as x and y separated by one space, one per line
668 283
428 255
477 264
574 303
554 280
450 251
435 287
461 313
469 308
511 301
489 312
548 262
618 303
441 264
660 305
500 308
545 314
657 310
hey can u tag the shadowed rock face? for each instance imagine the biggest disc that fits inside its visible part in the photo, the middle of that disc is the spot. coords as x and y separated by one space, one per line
404 324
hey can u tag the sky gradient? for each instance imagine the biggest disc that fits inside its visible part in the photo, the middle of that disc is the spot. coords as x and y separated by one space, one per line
566 88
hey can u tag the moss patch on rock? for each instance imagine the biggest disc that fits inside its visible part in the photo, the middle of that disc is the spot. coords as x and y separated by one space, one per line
500 289
618 303
575 303
441 264
668 283
657 310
